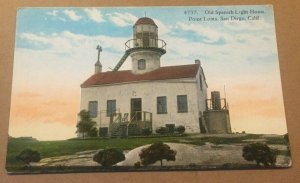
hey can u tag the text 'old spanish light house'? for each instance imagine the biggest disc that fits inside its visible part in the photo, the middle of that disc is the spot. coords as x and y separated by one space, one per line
150 96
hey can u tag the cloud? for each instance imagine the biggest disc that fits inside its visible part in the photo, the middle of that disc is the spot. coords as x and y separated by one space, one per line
162 28
94 14
70 43
211 35
122 19
52 13
72 15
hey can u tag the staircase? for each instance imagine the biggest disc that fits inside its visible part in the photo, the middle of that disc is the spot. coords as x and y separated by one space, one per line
120 63
118 130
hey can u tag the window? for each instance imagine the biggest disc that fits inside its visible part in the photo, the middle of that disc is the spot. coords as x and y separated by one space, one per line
111 107
182 105
200 78
161 105
93 108
141 64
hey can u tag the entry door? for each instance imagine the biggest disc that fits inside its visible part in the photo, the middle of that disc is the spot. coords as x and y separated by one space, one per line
136 109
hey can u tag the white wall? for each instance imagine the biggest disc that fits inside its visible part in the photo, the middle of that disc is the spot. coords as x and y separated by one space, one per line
202 94
148 91
152 59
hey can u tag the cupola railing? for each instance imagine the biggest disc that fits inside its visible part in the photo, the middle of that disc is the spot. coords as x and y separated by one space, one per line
145 43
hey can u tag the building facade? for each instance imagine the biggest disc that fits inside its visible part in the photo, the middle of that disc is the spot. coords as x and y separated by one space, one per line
148 96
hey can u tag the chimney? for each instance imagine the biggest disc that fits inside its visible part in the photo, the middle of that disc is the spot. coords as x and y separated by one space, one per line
98 67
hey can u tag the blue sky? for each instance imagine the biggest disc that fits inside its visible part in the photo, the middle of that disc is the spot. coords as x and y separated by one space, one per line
56 51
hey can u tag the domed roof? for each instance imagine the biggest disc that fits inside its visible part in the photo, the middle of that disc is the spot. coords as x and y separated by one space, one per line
145 20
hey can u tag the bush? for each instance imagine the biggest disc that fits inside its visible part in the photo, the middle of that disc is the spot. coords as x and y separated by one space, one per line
180 129
28 156
170 128
109 157
157 152
261 153
162 130
146 131
137 164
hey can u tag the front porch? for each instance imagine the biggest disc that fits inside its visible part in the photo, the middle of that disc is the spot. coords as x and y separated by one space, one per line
121 125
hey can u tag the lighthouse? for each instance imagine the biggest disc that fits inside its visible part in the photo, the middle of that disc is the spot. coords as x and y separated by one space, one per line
150 96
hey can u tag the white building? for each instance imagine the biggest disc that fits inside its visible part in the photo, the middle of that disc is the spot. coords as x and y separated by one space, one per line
147 96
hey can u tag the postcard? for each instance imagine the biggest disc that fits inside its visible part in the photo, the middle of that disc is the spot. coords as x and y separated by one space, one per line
110 89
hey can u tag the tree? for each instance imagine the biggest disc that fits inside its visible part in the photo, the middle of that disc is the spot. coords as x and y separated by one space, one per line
261 153
157 152
93 132
109 157
85 125
28 156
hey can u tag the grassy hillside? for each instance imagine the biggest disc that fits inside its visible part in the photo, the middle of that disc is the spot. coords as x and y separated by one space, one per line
67 147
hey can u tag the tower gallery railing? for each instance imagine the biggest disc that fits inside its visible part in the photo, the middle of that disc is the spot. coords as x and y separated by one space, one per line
145 43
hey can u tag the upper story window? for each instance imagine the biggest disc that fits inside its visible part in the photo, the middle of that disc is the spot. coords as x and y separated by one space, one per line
93 108
161 105
182 105
141 64
111 107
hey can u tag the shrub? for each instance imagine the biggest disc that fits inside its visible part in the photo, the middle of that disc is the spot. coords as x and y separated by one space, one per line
180 129
137 164
157 152
261 153
170 128
146 131
162 130
109 157
28 156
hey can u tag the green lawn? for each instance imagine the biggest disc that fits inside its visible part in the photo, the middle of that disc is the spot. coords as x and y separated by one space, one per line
67 147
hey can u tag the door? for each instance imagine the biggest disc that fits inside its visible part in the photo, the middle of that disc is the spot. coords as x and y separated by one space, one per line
136 109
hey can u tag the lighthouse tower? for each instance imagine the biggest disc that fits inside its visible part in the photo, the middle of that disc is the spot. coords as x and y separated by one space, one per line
145 48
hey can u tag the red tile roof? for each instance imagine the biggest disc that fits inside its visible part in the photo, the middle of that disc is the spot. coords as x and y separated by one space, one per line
163 73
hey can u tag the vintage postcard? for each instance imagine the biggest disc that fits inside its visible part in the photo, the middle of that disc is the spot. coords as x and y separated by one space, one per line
146 89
